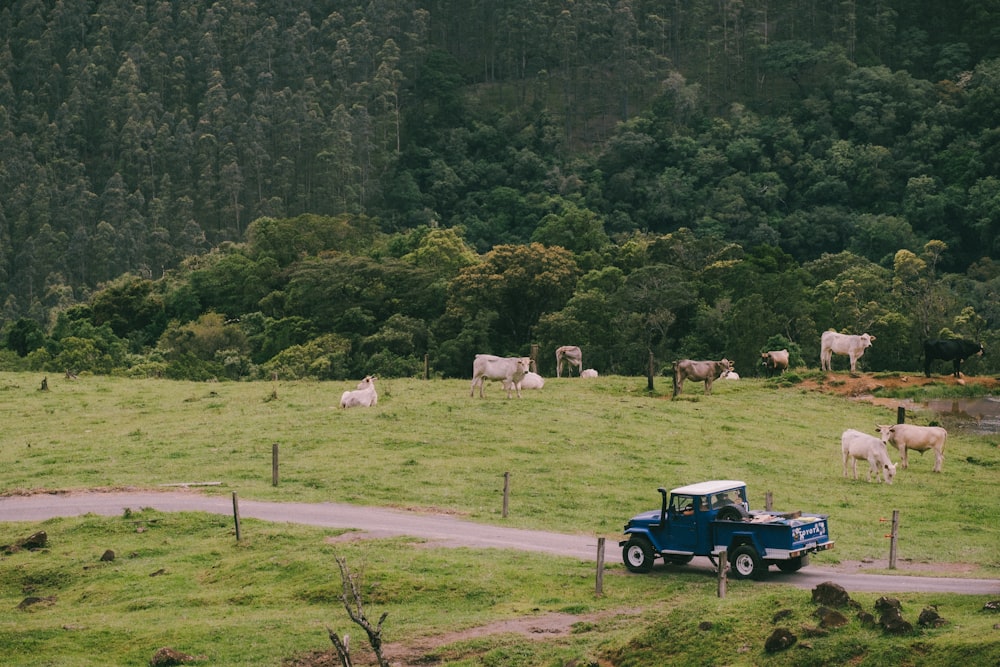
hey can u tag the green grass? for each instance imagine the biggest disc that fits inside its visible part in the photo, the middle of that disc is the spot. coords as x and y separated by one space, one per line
583 457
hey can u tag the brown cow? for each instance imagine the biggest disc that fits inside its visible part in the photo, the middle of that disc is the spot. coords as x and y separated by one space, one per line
699 371
775 361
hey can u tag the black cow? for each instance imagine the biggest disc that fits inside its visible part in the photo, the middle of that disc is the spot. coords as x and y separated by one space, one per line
955 350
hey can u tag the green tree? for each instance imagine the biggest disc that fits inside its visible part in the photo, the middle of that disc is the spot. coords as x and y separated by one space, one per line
519 284
132 308
24 336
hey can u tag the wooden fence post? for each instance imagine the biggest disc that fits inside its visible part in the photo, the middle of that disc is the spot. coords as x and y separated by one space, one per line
900 415
600 567
769 501
274 464
892 539
236 515
649 372
506 493
723 564
427 367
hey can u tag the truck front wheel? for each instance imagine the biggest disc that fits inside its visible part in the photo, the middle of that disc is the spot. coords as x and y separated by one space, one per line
638 555
746 563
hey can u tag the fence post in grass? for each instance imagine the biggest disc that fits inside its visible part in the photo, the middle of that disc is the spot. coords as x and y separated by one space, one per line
274 464
893 536
506 493
649 372
236 515
427 367
599 590
900 415
769 501
723 561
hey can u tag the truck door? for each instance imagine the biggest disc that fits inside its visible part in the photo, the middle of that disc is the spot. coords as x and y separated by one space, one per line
683 523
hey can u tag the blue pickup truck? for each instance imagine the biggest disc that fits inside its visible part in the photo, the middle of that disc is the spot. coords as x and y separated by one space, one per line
706 518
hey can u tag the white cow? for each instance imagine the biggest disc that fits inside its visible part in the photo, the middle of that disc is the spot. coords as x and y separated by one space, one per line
917 438
532 381
856 445
729 375
508 370
570 354
364 396
588 373
853 346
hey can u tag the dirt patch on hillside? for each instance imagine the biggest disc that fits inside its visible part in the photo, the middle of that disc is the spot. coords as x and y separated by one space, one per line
864 385
426 651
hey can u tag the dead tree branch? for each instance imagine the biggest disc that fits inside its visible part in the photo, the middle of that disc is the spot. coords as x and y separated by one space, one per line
354 604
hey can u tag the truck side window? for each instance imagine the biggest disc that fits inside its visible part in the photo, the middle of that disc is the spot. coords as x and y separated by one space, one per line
683 504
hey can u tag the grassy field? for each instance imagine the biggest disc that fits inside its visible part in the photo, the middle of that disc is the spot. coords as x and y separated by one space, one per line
583 456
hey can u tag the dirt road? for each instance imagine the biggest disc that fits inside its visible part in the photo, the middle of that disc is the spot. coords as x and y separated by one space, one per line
446 530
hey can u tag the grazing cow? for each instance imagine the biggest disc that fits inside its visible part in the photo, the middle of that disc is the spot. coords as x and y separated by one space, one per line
837 343
954 350
508 370
570 354
729 375
707 371
775 361
362 397
532 381
917 438
588 373
856 445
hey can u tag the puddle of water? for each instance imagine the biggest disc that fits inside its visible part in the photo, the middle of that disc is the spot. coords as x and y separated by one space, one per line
976 415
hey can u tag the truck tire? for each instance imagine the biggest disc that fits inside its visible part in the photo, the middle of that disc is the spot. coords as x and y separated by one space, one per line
791 565
638 555
732 513
677 560
745 563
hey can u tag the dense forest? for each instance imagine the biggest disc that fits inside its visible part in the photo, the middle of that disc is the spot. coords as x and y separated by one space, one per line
251 188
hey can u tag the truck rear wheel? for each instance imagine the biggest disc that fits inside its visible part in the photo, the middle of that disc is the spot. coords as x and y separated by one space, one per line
792 564
638 555
745 563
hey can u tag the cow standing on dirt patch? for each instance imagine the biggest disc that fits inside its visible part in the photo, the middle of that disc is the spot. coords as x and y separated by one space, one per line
853 345
955 350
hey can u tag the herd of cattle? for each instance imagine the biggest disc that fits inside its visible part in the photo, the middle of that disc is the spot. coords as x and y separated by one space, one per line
516 374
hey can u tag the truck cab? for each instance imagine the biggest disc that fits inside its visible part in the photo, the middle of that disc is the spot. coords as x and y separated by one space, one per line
707 518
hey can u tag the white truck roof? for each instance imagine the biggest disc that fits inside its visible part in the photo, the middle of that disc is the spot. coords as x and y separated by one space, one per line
705 488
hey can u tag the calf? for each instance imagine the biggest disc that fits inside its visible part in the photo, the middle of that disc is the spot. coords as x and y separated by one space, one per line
853 345
955 350
857 445
588 373
917 438
508 370
364 396
699 371
775 361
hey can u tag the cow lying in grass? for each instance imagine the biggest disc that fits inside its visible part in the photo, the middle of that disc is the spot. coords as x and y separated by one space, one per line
362 397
